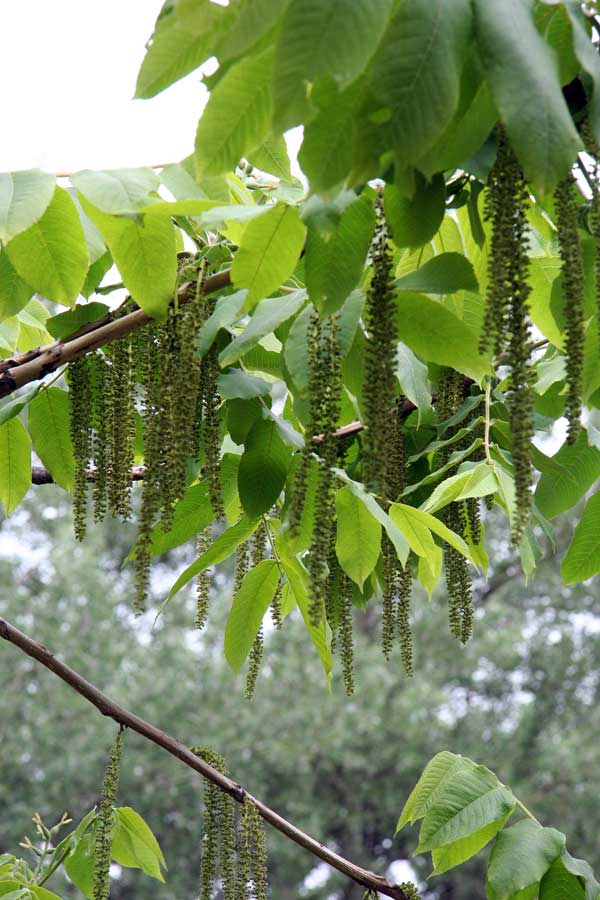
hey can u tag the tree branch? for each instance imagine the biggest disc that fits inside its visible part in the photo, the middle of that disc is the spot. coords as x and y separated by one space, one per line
123 717
36 364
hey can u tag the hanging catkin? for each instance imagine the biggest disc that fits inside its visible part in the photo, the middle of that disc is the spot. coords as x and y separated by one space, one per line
104 824
81 437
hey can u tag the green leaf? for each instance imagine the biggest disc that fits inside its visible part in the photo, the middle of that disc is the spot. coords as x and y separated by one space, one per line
219 550
52 255
437 335
14 293
272 157
587 56
237 384
227 311
520 857
444 274
268 315
358 536
191 514
24 197
263 468
583 556
15 463
413 376
451 855
337 38
430 785
12 406
417 71
268 252
173 52
472 800
117 191
67 323
333 265
295 350
543 273
393 532
50 429
142 844
417 519
560 884
583 869
413 221
79 865
237 117
247 611
475 481
297 577
523 77
145 254
566 477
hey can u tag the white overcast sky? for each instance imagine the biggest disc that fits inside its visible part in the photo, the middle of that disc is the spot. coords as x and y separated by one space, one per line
68 71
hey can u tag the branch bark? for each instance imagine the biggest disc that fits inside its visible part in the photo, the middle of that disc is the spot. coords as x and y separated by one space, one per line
36 364
128 719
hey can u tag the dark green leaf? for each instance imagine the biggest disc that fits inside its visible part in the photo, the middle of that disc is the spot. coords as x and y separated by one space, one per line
444 274
413 221
263 468
67 323
520 857
566 476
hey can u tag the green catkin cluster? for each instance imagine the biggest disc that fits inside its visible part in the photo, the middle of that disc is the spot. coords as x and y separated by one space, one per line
345 633
120 386
81 438
506 322
236 857
276 612
211 431
101 440
573 292
459 518
202 581
594 219
256 651
324 361
102 847
379 359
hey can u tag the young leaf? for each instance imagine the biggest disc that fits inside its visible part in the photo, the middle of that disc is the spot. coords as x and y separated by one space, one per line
49 426
263 468
337 38
52 255
520 857
15 463
358 537
268 253
268 315
145 254
247 611
24 196
237 117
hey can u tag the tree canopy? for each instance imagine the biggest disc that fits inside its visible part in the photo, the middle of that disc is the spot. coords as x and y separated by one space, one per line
325 376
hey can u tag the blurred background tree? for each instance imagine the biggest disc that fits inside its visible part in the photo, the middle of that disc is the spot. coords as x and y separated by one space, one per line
522 696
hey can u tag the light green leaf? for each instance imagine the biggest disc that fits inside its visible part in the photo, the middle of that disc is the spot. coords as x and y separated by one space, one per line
12 406
295 350
268 315
523 77
140 849
475 481
583 556
219 550
566 477
52 255
191 514
413 376
451 855
272 157
429 570
227 311
15 463
237 117
358 536
437 335
414 530
520 857
263 468
418 519
333 264
247 611
337 38
393 532
413 221
119 190
14 293
216 219
24 197
50 429
268 252
436 774
145 253
543 273
444 274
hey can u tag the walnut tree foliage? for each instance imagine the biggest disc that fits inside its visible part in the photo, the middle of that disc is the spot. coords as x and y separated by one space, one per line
325 381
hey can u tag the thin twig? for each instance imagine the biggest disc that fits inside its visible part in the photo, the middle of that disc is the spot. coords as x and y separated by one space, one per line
129 720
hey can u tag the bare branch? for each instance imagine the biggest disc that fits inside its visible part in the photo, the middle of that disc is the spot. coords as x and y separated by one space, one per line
123 717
